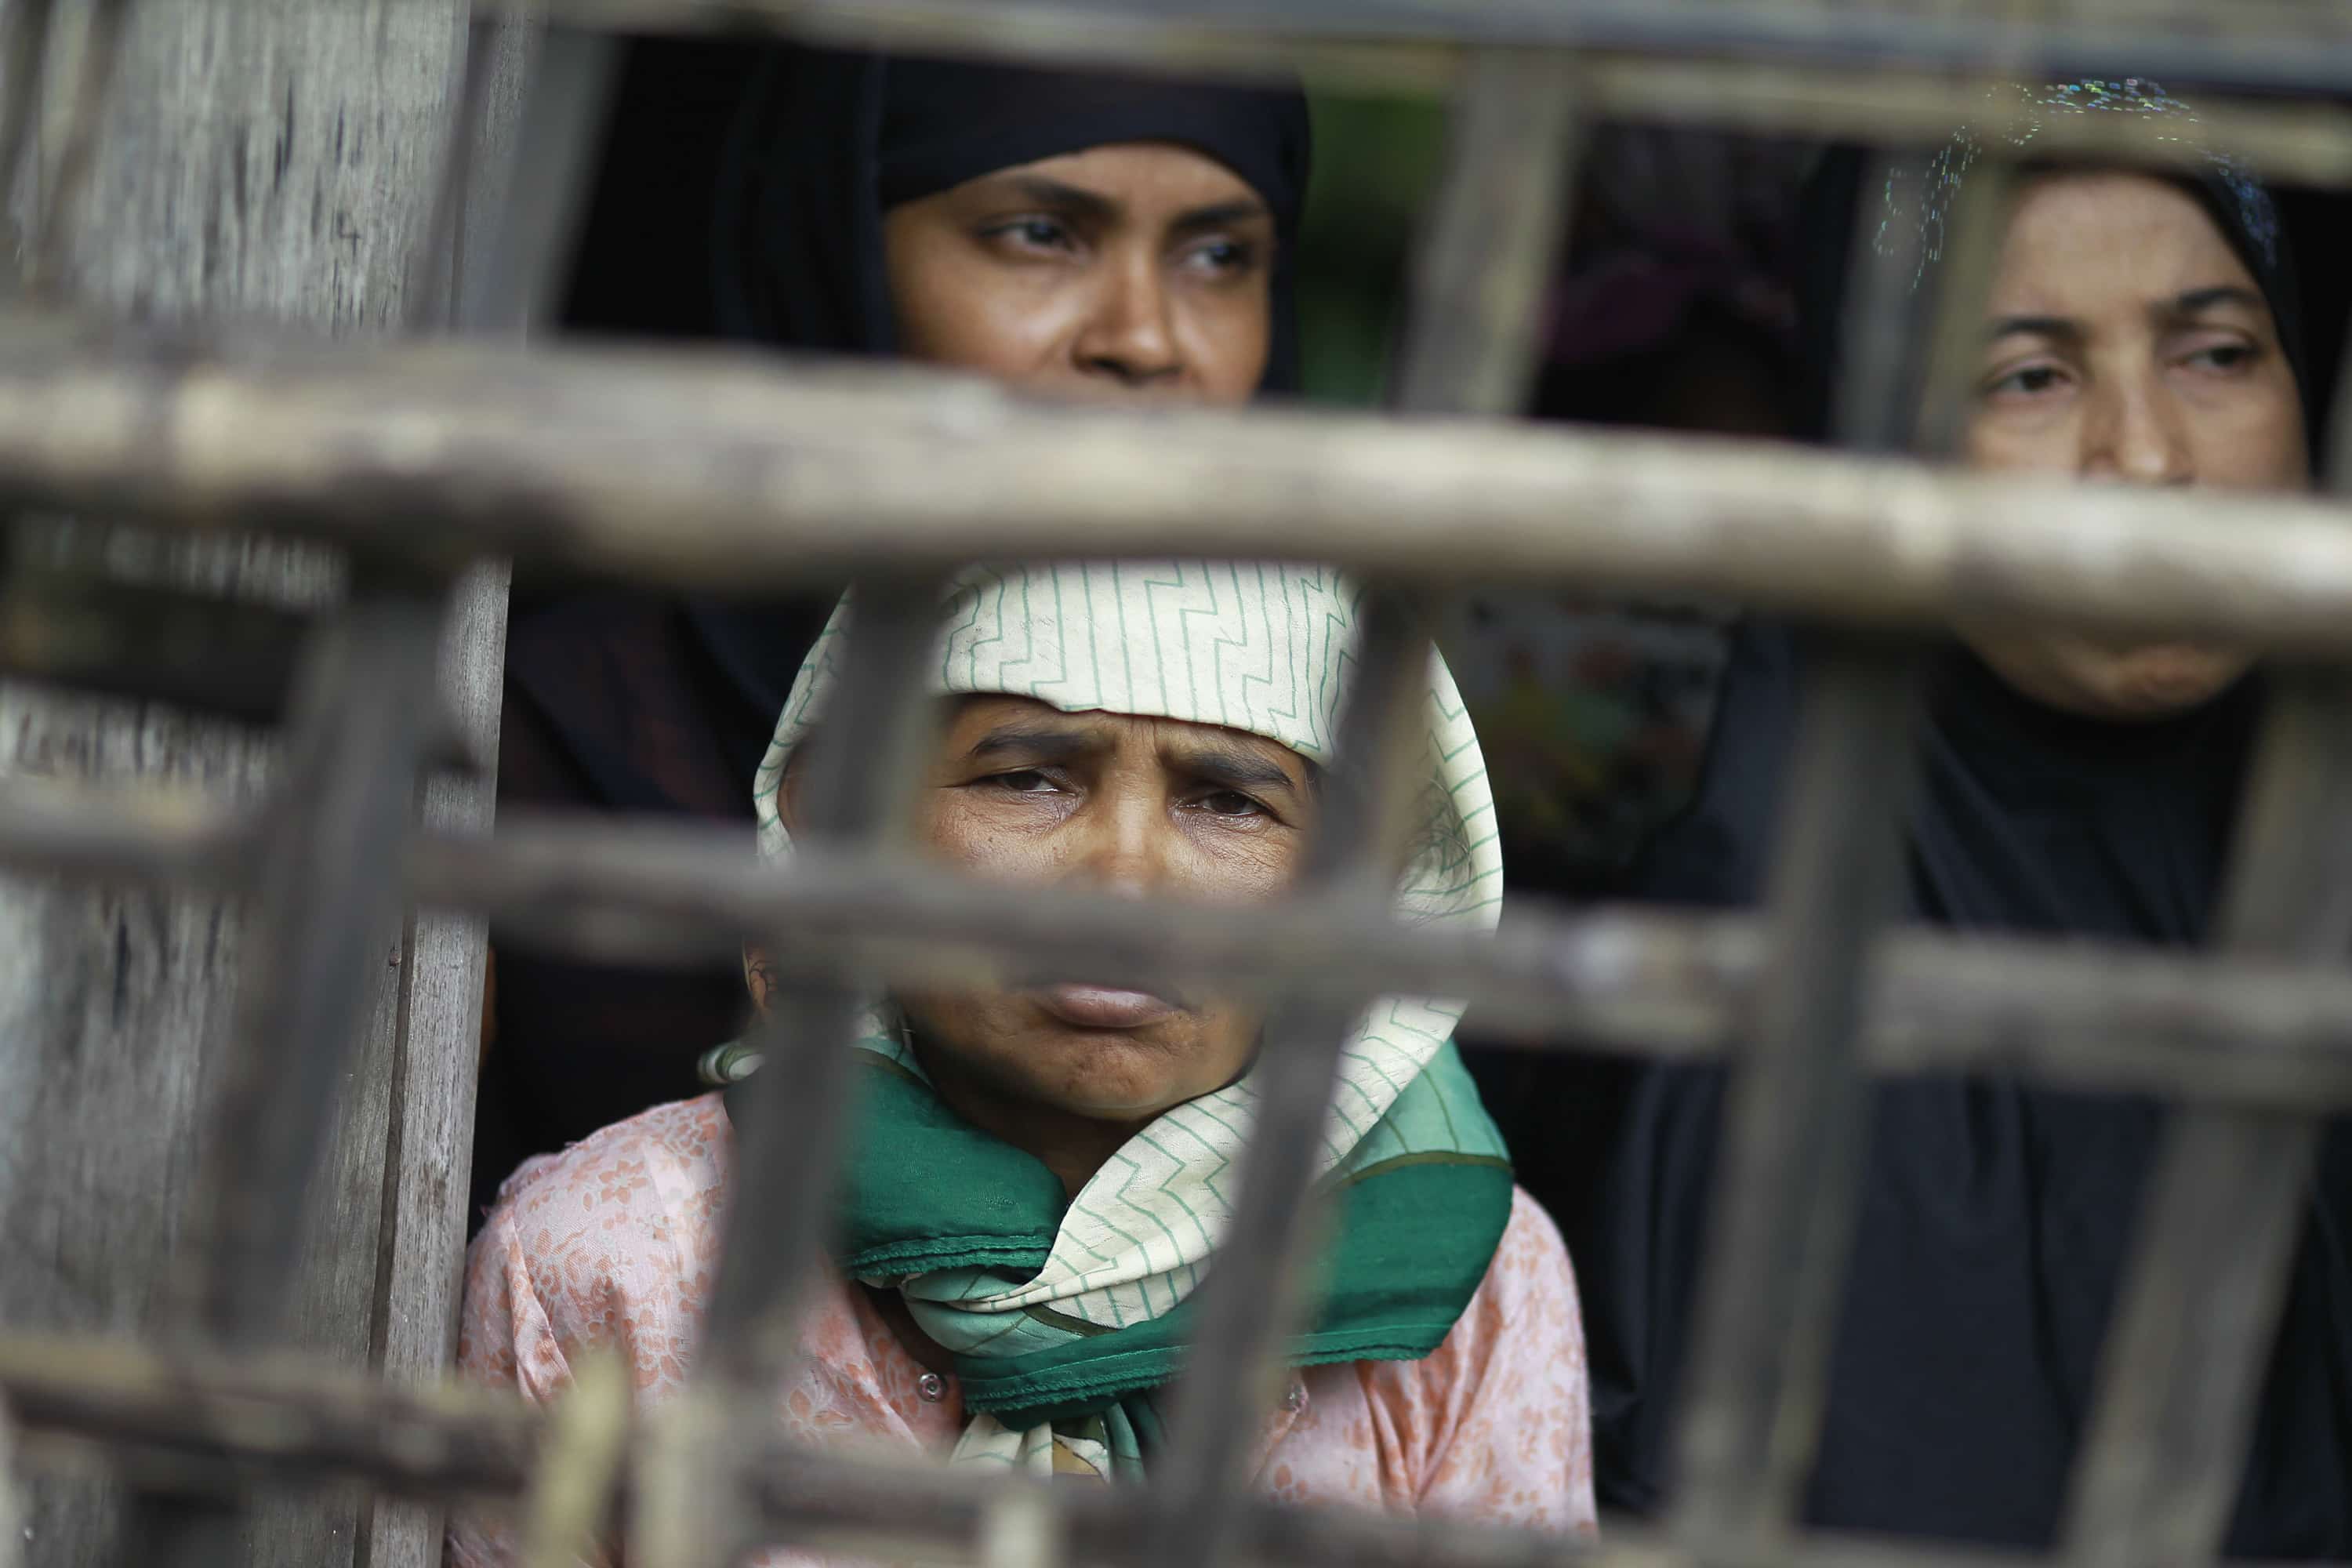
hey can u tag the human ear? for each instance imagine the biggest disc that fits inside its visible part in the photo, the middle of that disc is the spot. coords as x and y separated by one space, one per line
760 976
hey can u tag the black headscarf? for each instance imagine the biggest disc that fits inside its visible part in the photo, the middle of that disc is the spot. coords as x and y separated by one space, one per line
1995 1219
798 247
741 197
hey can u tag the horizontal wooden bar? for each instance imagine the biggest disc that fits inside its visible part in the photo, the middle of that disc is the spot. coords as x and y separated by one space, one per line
227 657
2227 1030
2259 43
1647 981
217 1422
738 473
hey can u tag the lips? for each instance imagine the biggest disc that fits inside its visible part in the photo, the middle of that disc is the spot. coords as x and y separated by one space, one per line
1104 1006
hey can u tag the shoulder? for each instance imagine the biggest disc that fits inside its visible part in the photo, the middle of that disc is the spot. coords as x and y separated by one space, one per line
604 1248
1492 1425
1530 1291
662 1171
1530 1270
1521 1320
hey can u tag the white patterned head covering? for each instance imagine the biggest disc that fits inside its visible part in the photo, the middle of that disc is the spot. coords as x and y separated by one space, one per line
1265 648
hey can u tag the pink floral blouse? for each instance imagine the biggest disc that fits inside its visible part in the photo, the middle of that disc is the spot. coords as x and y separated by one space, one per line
613 1242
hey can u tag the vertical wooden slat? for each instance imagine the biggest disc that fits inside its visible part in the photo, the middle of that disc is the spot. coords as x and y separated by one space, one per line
68 195
1472 341
24 44
328 894
421 1242
12 1513
570 79
483 265
1795 1116
1248 1299
856 789
1470 347
327 890
2183 1368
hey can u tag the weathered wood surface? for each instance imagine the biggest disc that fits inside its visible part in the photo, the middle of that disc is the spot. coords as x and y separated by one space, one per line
728 471
189 1418
258 161
1721 63
2226 1030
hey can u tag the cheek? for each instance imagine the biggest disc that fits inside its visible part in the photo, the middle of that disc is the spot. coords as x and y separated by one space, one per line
2023 440
1006 840
1229 338
2258 444
958 307
1223 865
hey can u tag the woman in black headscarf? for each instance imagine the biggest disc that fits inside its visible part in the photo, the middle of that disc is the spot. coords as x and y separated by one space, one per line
2142 330
1100 235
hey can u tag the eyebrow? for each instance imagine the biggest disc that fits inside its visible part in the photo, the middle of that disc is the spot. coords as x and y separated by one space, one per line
2192 303
1232 767
2196 301
1045 742
1059 195
2059 327
1077 199
1228 766
1220 214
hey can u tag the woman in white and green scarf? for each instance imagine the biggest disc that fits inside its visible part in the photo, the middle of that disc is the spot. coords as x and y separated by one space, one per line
1039 1176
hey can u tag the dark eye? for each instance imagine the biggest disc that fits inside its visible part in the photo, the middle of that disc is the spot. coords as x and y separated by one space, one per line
1034 234
2223 356
1231 802
1022 780
2030 381
1222 256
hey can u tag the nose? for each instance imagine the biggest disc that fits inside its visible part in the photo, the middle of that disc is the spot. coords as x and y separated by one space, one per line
1129 337
2135 435
1123 846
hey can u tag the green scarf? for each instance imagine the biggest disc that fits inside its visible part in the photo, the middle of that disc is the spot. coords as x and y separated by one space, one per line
1064 1315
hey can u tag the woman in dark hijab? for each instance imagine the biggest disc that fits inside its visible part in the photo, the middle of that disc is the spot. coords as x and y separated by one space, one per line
2141 330
1097 234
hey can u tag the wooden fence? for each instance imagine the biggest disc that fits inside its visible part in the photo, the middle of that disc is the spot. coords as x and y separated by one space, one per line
418 462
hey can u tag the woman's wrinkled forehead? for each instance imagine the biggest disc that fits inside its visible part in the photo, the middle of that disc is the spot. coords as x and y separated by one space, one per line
2081 241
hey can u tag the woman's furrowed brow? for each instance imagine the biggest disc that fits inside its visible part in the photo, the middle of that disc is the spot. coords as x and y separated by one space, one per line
1042 742
1230 766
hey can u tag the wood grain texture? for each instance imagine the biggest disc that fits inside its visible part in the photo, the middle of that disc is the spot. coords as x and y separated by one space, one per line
258 162
421 1247
738 472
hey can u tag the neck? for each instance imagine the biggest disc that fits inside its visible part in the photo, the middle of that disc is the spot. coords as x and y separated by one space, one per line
1072 1146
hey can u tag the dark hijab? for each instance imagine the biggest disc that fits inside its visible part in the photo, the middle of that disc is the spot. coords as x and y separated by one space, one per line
741 197
1996 1219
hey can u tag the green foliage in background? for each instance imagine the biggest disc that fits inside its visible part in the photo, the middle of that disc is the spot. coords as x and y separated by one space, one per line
1376 163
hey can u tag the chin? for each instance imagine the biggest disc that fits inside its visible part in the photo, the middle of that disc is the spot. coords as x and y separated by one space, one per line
2155 682
1105 1075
